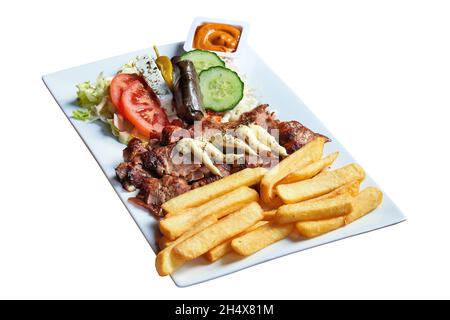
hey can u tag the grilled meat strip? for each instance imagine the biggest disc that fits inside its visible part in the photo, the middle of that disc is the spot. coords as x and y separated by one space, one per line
134 150
172 134
225 170
131 175
154 192
294 135
261 117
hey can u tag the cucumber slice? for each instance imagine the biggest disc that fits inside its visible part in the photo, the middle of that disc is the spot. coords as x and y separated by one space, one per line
203 60
222 89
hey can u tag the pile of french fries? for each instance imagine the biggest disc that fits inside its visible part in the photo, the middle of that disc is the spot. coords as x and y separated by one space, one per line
298 195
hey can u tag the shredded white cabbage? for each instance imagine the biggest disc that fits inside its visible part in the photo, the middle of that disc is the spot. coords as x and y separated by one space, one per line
248 102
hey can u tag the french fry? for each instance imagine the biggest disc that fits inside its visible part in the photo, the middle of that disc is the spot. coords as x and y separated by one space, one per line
351 188
260 238
363 203
218 252
299 159
224 248
163 242
219 232
319 185
311 229
324 171
199 196
166 262
310 170
174 226
269 215
274 204
368 200
315 210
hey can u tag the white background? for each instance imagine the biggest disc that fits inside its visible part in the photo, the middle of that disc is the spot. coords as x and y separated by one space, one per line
376 72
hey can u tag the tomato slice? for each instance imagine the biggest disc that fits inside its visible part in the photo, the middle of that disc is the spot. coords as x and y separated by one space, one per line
142 108
118 85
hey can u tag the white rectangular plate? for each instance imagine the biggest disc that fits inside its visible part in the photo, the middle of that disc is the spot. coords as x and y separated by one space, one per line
269 89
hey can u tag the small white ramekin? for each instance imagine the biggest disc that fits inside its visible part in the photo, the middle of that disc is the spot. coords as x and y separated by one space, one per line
244 26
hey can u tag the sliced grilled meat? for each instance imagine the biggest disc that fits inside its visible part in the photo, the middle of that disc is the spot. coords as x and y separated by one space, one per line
159 162
198 174
154 192
260 116
173 134
294 135
150 167
205 181
154 210
131 175
137 176
209 177
122 174
134 150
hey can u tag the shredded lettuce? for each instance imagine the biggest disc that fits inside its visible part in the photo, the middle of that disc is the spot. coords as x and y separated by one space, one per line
104 110
82 115
93 98
90 95
129 67
125 137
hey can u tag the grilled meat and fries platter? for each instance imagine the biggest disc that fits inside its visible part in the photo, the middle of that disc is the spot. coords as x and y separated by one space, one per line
221 166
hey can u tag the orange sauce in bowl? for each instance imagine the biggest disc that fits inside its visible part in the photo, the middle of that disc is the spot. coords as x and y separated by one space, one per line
217 37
